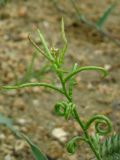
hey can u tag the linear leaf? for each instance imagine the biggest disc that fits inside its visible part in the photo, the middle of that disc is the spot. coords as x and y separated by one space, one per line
72 81
46 49
105 16
62 54
6 121
35 150
110 148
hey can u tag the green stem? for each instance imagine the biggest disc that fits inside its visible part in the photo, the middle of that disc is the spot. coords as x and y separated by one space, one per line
61 77
86 68
33 85
87 137
75 113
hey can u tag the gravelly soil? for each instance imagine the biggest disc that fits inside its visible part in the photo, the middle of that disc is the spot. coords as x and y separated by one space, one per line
32 109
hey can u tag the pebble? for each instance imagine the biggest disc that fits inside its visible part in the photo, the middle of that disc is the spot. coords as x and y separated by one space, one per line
36 102
19 103
21 121
23 35
59 134
107 66
8 157
7 149
22 12
2 109
98 52
19 145
90 86
55 150
2 136
105 89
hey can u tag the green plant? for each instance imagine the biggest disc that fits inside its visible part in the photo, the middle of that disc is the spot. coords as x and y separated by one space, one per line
68 108
32 73
3 2
99 24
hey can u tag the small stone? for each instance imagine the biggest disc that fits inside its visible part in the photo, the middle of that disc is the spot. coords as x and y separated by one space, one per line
46 24
37 89
21 68
2 136
8 157
107 66
19 145
19 103
59 134
22 11
90 86
36 102
7 149
21 121
98 52
23 35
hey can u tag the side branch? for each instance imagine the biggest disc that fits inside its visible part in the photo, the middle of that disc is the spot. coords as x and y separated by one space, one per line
86 68
33 85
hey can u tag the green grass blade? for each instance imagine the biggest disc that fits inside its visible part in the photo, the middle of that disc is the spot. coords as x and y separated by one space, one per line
6 121
63 31
105 16
3 2
72 81
35 149
28 74
62 54
46 49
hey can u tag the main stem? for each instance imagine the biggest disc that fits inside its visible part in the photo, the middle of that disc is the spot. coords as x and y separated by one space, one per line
81 123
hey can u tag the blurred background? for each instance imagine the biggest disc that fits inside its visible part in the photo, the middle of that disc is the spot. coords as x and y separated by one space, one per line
32 109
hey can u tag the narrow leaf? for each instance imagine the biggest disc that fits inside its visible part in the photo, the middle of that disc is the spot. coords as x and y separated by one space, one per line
28 74
63 31
46 49
110 148
6 121
35 150
72 81
63 51
105 15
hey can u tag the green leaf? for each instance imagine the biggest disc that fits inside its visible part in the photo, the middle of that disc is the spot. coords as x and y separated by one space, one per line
6 121
72 81
105 16
110 148
63 51
3 2
46 49
35 150
29 72
63 31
